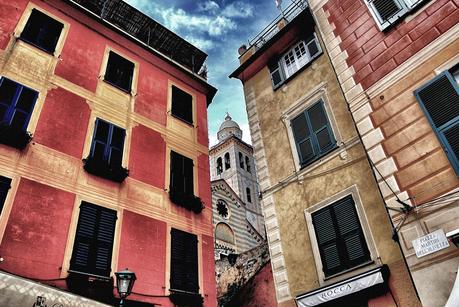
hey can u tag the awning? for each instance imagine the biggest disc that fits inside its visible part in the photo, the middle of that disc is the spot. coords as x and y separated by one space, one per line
369 284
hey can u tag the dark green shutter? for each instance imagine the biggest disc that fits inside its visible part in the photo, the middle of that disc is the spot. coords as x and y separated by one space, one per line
339 236
92 250
302 135
439 99
321 127
184 261
5 185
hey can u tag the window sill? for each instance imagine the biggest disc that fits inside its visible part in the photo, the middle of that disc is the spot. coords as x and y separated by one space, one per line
13 138
189 202
319 158
102 169
37 46
326 278
185 298
125 91
90 275
183 120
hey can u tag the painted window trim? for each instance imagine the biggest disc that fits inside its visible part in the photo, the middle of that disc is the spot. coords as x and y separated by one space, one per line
366 230
406 6
280 62
454 160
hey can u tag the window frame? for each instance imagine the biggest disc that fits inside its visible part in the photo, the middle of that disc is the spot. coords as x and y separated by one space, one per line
107 146
278 64
59 37
439 131
108 65
365 227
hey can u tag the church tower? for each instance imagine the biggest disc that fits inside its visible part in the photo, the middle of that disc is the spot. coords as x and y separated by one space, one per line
234 184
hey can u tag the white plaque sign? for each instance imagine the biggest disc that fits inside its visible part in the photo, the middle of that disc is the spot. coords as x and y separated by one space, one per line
430 243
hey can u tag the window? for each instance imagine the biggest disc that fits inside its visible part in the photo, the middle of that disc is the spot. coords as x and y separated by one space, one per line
106 153
222 208
182 105
119 72
247 163
184 261
227 161
386 12
93 246
437 96
16 106
339 235
293 60
42 31
241 161
219 166
181 181
312 133
5 184
249 195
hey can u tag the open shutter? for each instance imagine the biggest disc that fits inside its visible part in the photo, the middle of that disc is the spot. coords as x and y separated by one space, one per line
440 101
350 232
313 48
5 185
303 140
92 250
184 261
387 11
327 240
276 74
321 128
188 176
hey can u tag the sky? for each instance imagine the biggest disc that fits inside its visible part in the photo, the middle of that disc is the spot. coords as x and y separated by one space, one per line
219 28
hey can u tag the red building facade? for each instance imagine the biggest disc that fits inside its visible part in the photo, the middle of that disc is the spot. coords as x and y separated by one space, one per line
104 152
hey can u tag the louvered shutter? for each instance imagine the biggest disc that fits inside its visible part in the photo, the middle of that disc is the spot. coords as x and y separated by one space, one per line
350 232
339 236
327 240
321 128
387 11
440 101
184 261
5 184
303 140
276 74
182 105
92 250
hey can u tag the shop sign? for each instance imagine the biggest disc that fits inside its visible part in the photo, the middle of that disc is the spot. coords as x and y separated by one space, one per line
430 243
339 290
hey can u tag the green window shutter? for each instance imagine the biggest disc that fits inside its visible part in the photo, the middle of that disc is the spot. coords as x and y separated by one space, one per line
93 246
184 261
321 127
439 99
303 139
339 236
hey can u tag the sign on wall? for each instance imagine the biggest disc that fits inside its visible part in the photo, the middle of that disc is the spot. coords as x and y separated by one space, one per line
430 243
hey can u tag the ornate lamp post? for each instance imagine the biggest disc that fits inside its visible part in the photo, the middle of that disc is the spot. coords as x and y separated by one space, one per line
124 282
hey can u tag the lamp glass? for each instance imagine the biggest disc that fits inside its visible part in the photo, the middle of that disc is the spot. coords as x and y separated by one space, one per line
125 282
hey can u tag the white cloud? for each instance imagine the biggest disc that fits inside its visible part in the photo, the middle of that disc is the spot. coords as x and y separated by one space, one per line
212 139
238 10
208 6
246 136
203 44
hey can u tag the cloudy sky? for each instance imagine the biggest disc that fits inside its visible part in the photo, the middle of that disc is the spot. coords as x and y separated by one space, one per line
217 27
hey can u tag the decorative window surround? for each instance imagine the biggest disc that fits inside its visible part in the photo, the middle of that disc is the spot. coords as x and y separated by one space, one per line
315 95
352 190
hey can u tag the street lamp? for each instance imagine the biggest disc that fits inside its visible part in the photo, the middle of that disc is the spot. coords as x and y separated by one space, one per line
124 282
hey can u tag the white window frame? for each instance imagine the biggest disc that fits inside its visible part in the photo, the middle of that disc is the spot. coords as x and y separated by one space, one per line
374 255
404 5
299 63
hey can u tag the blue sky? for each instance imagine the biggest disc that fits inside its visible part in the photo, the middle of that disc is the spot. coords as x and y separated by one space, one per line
219 28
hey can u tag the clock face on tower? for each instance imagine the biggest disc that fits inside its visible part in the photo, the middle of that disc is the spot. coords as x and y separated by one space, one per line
222 209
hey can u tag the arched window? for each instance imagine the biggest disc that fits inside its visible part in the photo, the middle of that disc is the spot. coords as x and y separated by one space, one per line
249 195
219 166
227 161
224 233
247 164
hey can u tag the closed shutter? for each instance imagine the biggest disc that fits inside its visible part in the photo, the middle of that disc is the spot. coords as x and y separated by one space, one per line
184 261
92 250
116 146
100 140
321 128
339 236
108 142
276 74
182 105
303 140
439 99
5 185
